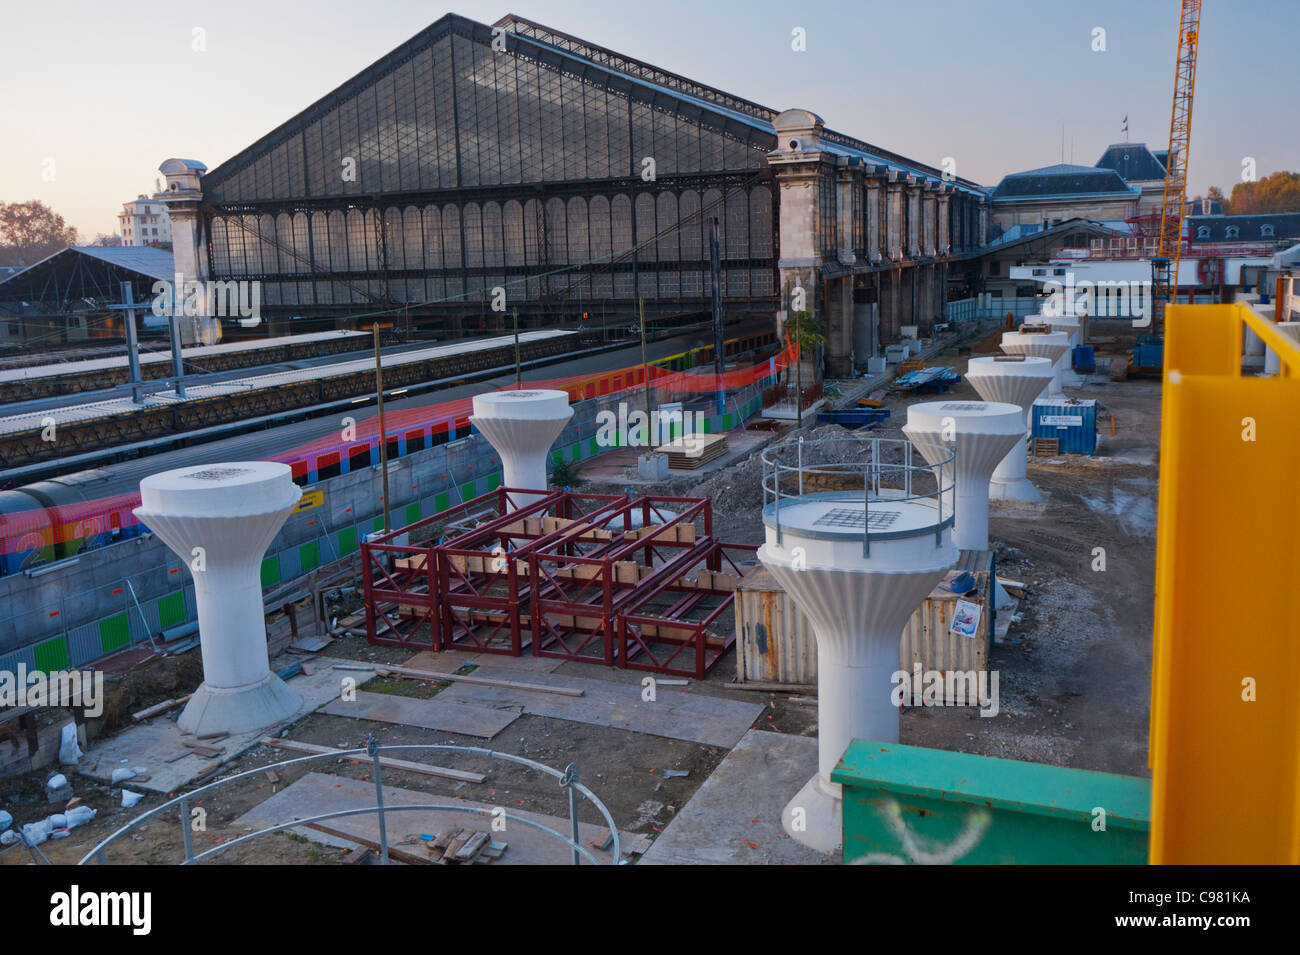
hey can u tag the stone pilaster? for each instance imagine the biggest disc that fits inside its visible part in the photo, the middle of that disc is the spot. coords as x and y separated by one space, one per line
848 190
874 242
183 198
929 218
945 221
894 186
913 244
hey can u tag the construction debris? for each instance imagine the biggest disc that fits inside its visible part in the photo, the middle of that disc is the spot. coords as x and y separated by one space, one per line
162 707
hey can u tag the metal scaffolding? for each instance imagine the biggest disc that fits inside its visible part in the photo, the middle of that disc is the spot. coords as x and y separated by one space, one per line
634 582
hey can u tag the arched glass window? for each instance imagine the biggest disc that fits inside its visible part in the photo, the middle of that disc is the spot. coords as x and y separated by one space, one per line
1203 232
1232 232
1266 231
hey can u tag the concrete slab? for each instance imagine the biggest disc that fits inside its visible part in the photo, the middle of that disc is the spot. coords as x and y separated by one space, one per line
451 716
735 817
675 714
151 744
448 661
317 793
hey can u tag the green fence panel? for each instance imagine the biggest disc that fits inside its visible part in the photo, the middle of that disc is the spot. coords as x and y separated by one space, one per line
270 571
114 632
309 555
51 655
171 610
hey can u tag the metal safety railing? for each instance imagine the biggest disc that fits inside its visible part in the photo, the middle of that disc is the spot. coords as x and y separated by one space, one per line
567 779
859 471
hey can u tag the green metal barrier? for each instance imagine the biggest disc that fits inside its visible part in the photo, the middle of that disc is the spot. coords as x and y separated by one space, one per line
911 805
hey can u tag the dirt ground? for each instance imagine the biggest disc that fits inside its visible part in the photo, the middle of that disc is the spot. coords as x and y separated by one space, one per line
1074 669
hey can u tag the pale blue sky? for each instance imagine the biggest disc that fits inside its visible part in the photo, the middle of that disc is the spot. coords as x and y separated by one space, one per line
109 90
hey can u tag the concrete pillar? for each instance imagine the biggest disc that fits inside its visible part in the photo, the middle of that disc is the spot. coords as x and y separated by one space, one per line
866 335
893 315
839 327
182 198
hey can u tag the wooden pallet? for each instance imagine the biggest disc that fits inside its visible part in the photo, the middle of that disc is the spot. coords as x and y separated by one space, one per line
1050 446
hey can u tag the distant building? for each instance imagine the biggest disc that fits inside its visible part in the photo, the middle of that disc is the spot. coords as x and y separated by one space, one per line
1052 195
1140 168
144 221
1280 227
1127 182
1026 244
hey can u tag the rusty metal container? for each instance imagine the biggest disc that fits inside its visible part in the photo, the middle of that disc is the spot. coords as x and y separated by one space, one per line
776 644
774 641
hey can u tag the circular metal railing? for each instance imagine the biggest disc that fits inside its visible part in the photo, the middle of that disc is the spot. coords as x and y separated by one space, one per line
859 473
567 778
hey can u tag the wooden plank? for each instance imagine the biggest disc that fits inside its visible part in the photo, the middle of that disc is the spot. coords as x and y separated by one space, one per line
477 681
394 852
436 714
203 749
763 687
387 761
470 849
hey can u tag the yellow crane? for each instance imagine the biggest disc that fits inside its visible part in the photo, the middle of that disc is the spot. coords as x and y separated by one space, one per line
1164 267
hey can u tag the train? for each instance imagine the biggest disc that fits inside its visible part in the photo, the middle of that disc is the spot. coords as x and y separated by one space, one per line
58 518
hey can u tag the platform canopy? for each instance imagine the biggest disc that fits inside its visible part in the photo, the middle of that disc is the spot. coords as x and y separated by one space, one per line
83 280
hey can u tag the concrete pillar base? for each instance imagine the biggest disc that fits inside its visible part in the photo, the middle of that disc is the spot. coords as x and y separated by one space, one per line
1019 489
814 817
215 709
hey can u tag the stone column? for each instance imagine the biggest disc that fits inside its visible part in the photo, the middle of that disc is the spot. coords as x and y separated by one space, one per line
945 221
848 181
797 164
929 219
874 242
183 197
913 217
894 217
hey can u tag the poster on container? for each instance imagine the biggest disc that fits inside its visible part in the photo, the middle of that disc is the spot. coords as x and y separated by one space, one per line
966 619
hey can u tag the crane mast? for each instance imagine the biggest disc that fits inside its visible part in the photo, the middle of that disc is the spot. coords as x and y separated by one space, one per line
1164 267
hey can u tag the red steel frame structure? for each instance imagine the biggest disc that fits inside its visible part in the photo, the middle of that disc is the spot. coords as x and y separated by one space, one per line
635 582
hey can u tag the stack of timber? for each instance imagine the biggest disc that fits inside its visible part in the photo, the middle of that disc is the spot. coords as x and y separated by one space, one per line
694 450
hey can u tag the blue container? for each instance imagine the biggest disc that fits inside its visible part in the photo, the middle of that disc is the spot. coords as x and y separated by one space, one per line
1072 421
1085 361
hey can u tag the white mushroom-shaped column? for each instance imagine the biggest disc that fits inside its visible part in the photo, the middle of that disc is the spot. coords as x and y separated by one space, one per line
219 519
1015 380
981 433
1049 345
857 564
522 426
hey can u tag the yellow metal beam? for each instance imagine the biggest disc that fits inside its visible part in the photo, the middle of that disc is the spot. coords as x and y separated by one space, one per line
1225 740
